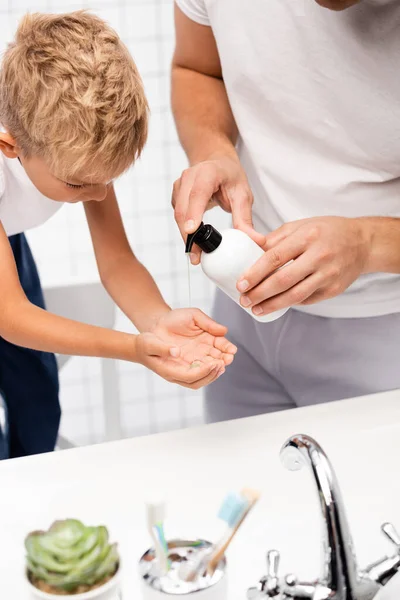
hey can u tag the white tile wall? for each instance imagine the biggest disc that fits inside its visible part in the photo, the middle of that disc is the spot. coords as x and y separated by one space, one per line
63 250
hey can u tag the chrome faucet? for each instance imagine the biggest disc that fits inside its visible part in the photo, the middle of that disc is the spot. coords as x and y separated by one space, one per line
341 579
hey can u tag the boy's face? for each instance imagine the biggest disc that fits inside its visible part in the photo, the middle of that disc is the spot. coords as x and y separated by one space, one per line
72 191
48 184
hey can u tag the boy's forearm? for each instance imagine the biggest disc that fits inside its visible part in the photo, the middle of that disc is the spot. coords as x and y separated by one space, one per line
203 116
127 281
26 325
135 292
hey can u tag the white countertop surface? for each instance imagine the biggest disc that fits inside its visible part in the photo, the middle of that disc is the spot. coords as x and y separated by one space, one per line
194 469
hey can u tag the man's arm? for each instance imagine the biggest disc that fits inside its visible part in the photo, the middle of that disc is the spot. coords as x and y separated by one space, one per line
328 253
127 281
208 133
325 255
203 115
385 245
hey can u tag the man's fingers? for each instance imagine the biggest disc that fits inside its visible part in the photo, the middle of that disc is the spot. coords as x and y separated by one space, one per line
275 237
273 259
296 295
317 296
242 204
280 281
180 198
175 191
191 198
241 199
202 190
257 237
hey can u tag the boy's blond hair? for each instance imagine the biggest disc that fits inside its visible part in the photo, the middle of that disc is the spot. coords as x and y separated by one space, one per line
71 93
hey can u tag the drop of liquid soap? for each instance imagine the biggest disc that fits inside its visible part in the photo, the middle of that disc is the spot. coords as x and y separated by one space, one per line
189 281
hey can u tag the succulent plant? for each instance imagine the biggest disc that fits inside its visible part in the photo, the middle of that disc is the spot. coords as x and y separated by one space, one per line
70 555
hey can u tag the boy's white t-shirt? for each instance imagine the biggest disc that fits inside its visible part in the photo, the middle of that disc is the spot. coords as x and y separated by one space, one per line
22 206
316 97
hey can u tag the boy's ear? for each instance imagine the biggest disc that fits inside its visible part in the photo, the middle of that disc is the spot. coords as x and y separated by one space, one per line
8 145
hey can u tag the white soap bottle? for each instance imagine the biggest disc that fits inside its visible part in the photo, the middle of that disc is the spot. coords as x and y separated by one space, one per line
225 258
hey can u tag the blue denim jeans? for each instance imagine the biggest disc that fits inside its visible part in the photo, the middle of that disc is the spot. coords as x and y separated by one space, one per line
4 448
28 378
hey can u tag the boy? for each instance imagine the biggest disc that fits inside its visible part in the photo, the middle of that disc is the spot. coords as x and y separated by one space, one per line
74 117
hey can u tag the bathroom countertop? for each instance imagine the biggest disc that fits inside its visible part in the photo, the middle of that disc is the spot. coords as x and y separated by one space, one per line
193 469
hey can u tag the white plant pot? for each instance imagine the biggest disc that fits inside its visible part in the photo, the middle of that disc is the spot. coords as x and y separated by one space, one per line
109 591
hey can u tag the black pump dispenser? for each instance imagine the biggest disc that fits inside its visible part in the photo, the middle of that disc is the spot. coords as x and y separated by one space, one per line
206 237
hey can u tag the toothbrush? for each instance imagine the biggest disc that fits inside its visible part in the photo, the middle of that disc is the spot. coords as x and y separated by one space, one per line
155 520
251 498
231 511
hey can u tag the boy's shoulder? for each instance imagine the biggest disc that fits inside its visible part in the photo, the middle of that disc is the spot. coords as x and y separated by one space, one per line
22 206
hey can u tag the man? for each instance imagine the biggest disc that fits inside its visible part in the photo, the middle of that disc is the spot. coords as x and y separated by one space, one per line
297 106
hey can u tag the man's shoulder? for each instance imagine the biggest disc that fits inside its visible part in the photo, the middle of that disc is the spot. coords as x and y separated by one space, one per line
196 10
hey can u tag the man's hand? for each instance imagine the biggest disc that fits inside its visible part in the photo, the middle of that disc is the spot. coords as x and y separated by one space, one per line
328 254
220 180
186 347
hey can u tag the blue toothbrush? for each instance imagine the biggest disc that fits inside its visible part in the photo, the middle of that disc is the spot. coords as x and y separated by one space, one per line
232 511
236 518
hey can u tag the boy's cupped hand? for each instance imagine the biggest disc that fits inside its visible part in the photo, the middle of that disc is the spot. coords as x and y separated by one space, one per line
187 347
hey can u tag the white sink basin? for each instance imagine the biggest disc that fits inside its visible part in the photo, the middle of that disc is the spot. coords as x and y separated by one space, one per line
195 468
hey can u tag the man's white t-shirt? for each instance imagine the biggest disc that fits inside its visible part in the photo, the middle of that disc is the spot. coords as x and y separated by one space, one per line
22 206
316 97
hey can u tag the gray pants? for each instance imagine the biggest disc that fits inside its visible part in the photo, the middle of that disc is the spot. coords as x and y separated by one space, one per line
300 360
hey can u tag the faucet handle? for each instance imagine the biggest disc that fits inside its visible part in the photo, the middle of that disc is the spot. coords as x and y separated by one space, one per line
268 586
391 533
271 581
273 558
255 593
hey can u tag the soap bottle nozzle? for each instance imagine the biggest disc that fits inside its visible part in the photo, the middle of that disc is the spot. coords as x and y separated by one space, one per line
206 237
191 238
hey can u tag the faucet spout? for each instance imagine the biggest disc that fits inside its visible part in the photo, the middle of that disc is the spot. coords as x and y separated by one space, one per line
340 571
341 579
